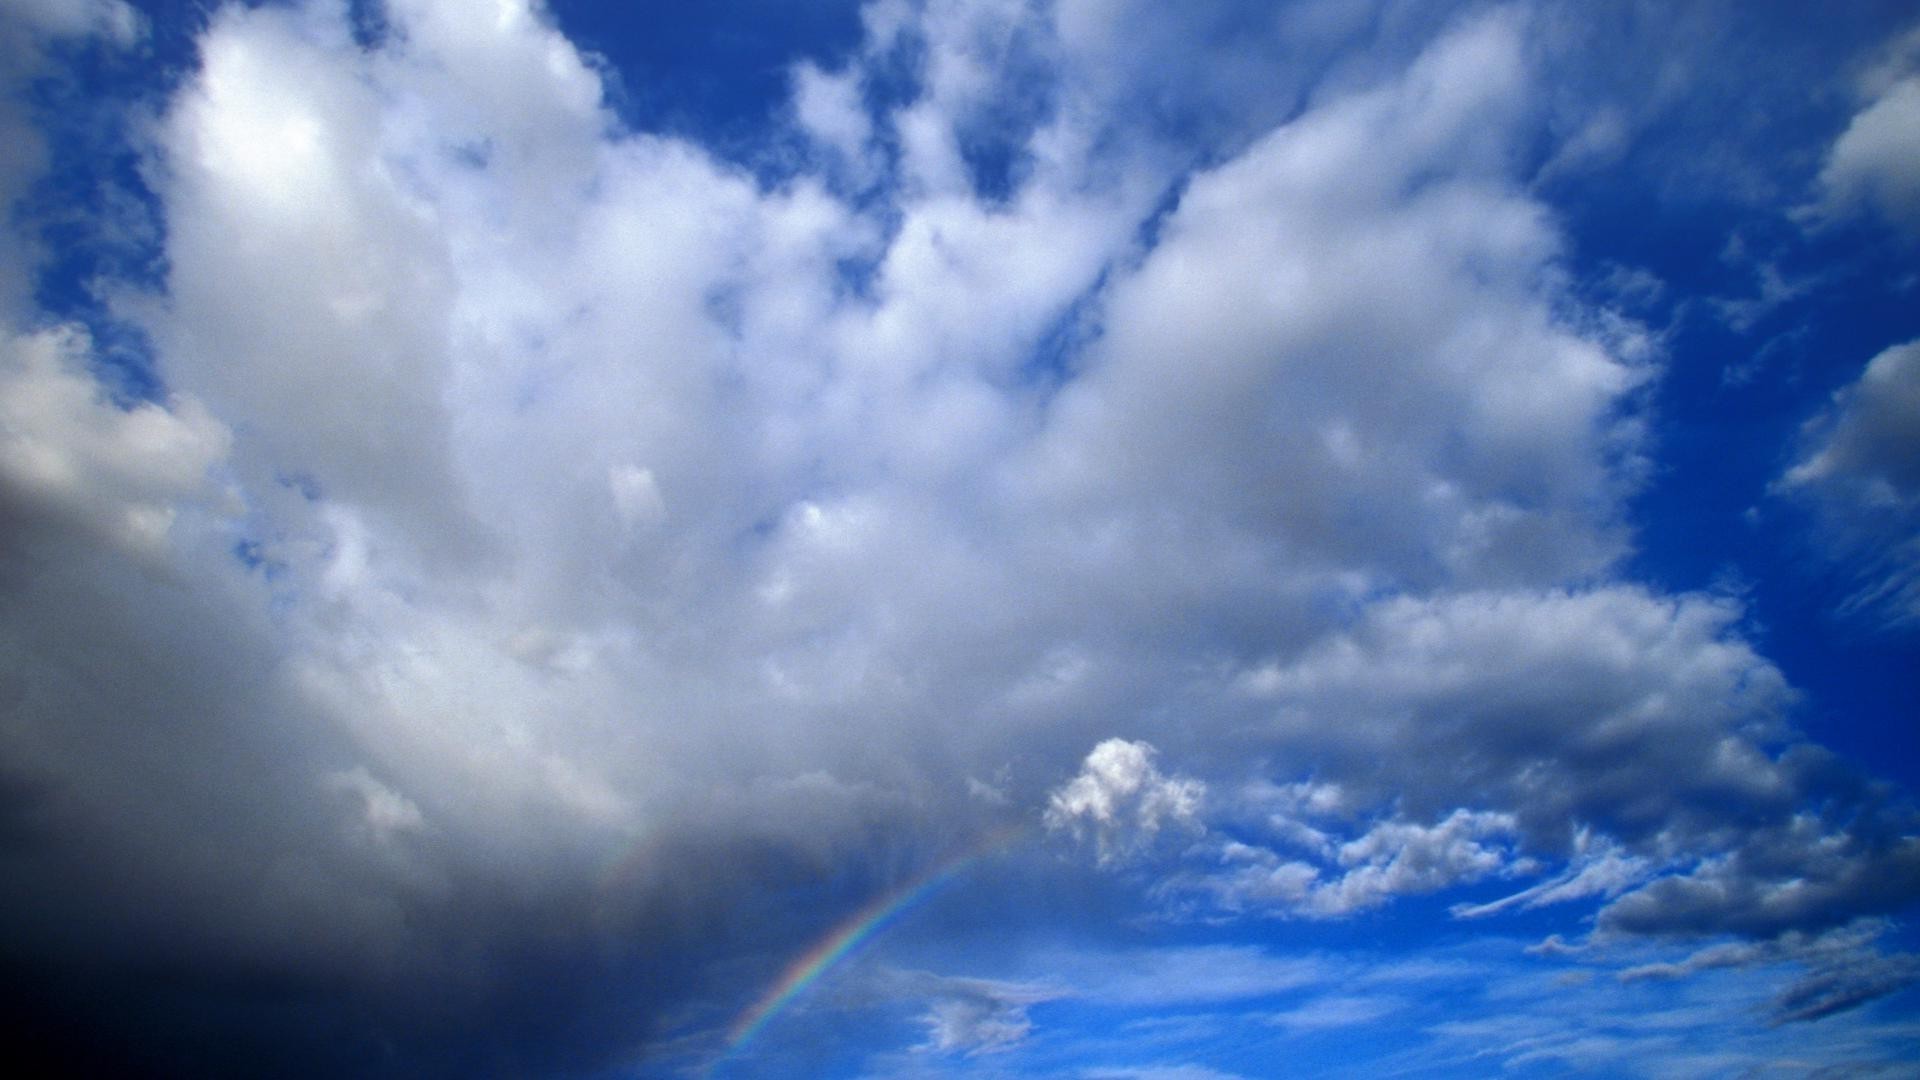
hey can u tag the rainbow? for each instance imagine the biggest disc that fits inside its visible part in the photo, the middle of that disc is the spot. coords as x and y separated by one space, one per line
809 966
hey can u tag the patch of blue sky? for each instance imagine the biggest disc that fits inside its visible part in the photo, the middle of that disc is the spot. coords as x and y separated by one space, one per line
1439 1008
99 226
716 71
1759 316
1727 414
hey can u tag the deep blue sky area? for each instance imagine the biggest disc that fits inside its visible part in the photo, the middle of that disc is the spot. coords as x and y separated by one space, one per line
718 69
929 538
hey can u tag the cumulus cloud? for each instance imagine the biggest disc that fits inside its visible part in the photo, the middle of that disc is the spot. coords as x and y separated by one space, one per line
1602 736
1538 701
1122 800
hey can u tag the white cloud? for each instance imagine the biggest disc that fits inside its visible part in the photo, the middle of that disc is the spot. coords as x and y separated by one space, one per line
309 289
1396 858
1870 437
1332 1013
1318 309
827 107
1123 800
980 1016
1598 868
1873 163
1166 977
1605 733
1839 969
1859 469
67 450
1338 877
1806 872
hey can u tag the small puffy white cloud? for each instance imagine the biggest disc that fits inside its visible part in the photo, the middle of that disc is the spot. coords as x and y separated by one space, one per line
1122 800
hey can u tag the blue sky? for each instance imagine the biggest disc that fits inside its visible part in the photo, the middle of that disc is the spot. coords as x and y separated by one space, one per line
1010 538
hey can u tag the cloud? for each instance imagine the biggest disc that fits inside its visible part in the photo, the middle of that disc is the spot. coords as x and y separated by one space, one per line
1857 469
1411 435
561 569
69 453
111 19
1840 969
1556 705
1870 433
972 1016
1598 868
1330 1013
1805 873
1341 876
1122 800
1872 165
1163 978
1834 990
1158 1072
1609 732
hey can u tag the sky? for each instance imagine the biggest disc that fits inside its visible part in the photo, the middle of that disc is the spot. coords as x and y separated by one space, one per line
999 538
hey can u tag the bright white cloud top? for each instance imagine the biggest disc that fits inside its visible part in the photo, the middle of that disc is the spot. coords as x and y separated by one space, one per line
542 572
